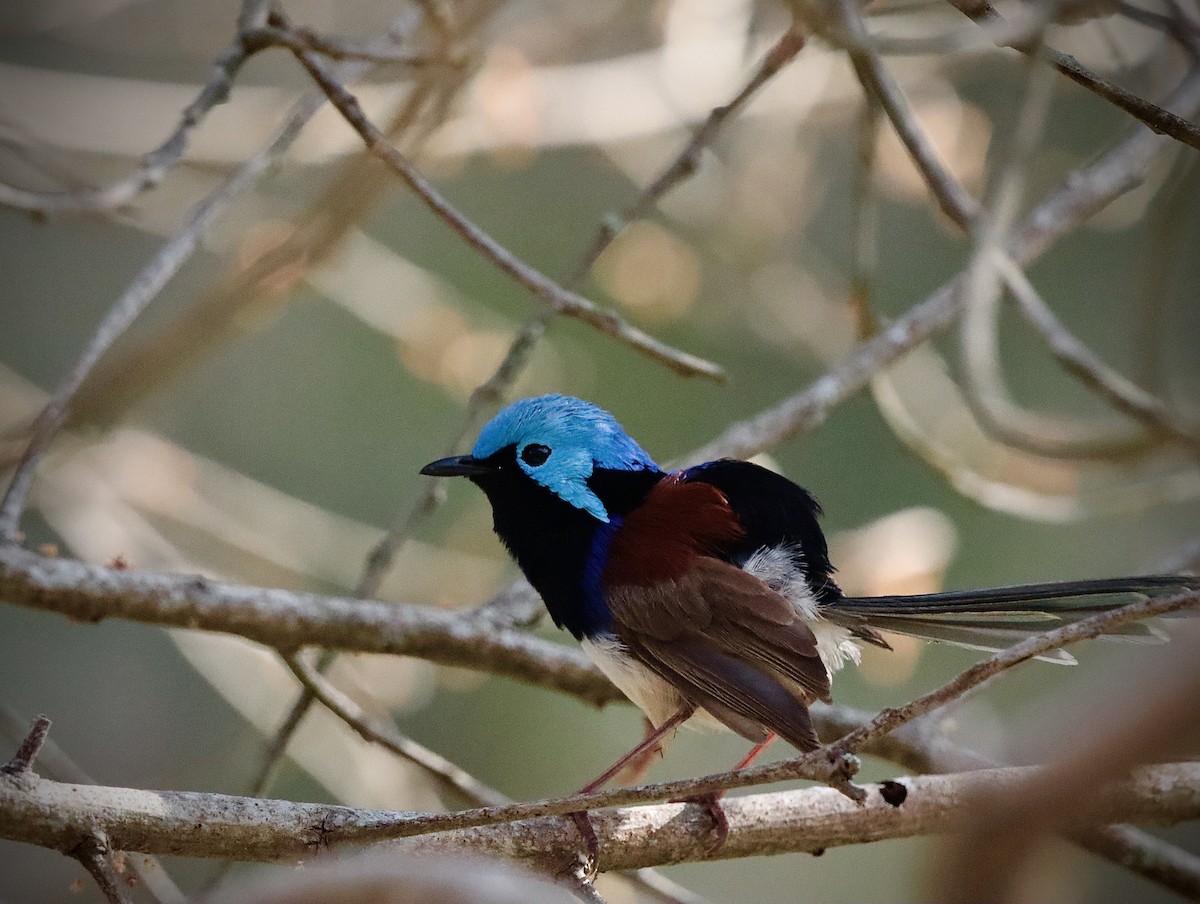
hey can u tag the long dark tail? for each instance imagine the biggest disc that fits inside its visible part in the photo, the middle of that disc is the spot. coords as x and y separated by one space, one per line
997 618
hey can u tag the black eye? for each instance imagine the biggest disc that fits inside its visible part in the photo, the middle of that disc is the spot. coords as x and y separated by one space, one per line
535 454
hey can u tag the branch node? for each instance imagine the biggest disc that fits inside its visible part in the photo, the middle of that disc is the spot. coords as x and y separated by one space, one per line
96 855
22 761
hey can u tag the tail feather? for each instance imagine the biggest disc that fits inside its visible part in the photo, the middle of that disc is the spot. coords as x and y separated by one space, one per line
996 618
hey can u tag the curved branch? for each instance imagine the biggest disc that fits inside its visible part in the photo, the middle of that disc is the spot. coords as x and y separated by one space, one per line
1082 195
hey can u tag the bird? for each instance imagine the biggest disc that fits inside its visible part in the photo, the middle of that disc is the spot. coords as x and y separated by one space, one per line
707 593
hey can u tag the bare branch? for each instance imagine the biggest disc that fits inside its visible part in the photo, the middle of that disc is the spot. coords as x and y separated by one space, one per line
688 160
1121 392
1093 626
954 200
982 372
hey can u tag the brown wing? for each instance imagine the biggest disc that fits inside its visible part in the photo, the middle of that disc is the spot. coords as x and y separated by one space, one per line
728 643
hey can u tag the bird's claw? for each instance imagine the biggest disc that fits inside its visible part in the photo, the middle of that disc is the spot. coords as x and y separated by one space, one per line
584 825
711 803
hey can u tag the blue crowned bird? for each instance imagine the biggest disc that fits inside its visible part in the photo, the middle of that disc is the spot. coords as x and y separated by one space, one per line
708 591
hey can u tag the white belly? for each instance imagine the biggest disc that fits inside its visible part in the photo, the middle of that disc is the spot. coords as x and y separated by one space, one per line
648 692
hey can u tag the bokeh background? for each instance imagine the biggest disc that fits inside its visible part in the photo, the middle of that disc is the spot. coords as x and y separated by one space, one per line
268 425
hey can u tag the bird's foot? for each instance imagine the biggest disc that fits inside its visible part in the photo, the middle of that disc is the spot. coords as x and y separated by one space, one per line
584 825
711 803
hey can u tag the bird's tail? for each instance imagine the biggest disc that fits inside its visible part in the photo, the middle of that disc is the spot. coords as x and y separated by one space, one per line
997 618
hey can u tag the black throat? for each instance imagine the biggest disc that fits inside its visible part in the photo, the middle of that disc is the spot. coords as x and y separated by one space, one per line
552 540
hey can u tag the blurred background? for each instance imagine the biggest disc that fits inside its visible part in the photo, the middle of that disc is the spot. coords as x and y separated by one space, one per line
266 417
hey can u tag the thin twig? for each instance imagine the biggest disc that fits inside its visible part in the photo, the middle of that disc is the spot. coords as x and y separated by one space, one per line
156 164
954 200
143 290
546 290
685 164
1092 626
371 729
1160 119
380 51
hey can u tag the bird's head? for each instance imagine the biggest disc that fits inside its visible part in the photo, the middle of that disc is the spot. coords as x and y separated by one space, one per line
553 441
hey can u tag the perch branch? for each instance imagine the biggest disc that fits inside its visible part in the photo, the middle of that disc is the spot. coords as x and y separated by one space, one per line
190 824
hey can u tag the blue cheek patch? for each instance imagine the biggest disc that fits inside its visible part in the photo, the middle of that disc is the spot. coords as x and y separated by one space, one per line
565 474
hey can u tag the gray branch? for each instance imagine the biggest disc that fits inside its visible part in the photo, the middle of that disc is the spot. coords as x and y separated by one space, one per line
61 816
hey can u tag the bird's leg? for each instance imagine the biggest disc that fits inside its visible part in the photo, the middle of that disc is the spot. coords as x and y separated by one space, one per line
635 770
650 742
712 800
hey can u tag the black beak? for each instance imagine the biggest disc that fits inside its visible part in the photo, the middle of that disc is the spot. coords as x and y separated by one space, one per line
457 466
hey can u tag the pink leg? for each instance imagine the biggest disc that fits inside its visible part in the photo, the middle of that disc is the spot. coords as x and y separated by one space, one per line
635 770
756 751
650 742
